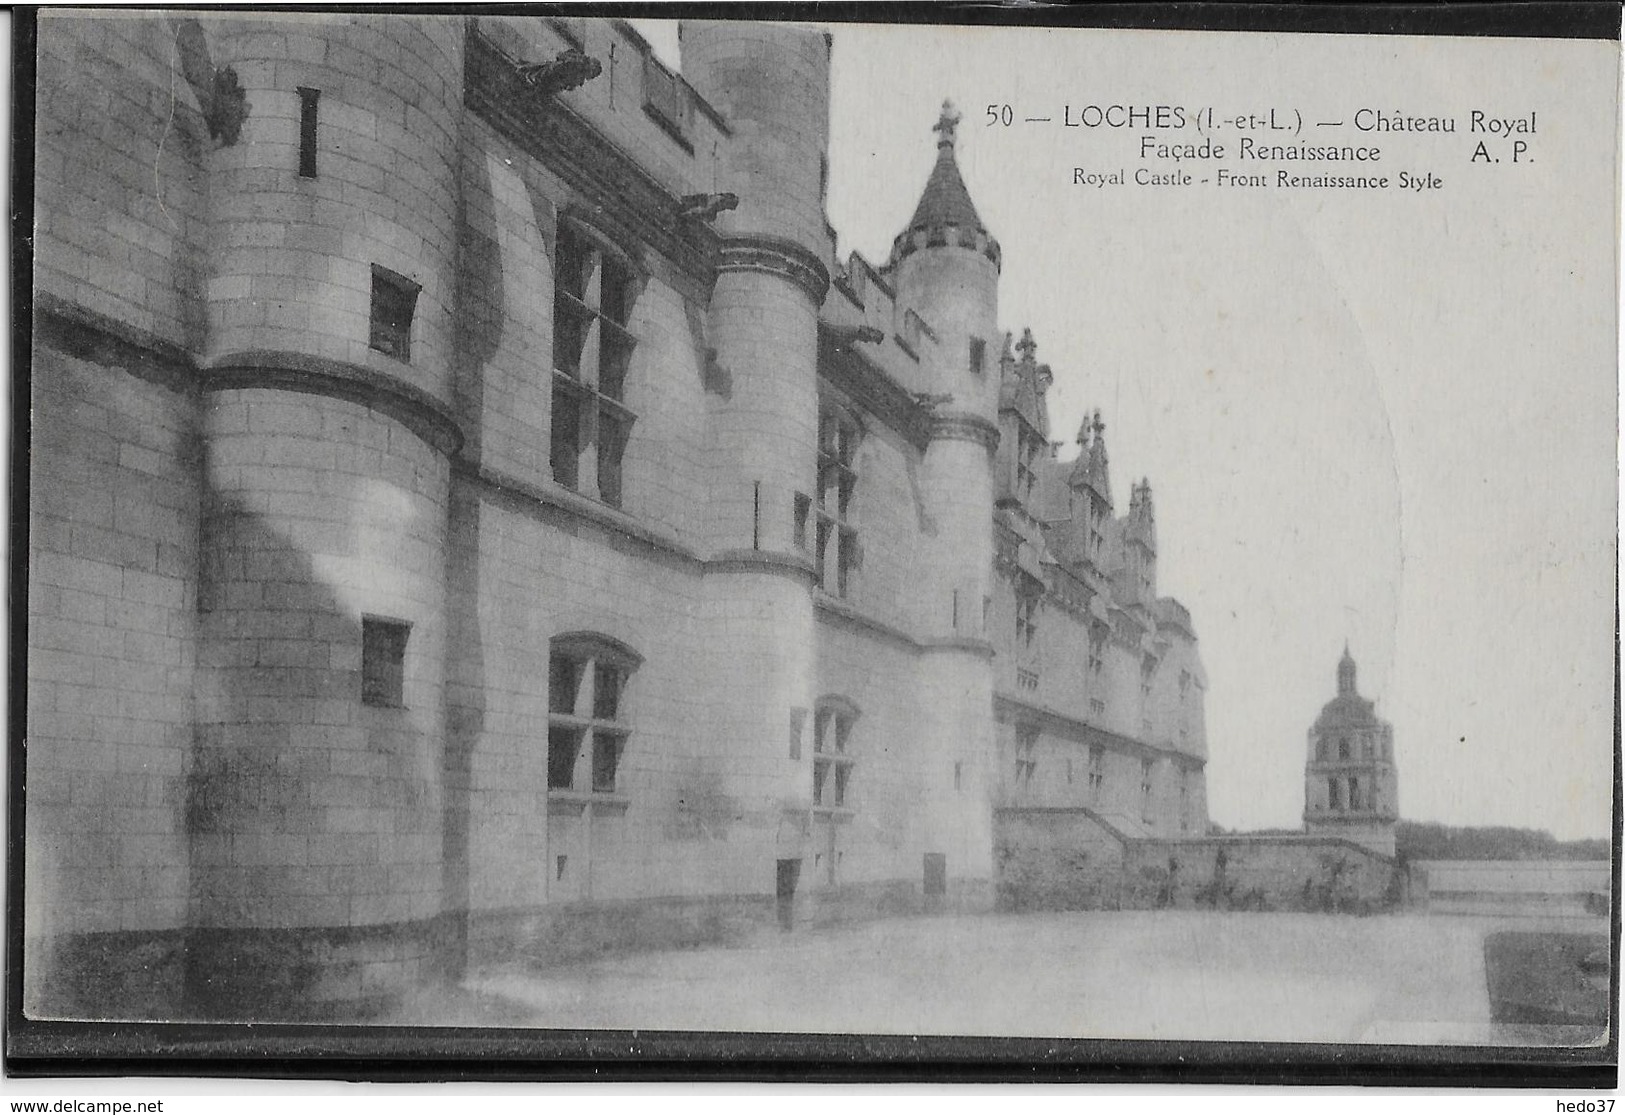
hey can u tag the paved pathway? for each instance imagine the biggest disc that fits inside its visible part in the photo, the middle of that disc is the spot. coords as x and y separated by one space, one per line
1143 974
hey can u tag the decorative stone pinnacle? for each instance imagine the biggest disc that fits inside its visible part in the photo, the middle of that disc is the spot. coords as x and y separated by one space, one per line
1099 427
1083 432
569 69
1027 346
946 125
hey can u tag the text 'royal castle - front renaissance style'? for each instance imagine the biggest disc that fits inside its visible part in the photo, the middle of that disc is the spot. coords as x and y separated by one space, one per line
473 509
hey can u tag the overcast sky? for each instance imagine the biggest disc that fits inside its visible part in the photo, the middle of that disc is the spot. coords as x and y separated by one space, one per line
1382 417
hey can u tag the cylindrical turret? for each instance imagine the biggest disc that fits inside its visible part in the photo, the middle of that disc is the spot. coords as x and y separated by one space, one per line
326 447
945 267
772 85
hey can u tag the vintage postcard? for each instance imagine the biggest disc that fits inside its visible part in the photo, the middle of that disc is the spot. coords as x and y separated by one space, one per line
539 521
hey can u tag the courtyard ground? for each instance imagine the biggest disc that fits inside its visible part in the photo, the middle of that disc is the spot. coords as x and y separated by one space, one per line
1177 974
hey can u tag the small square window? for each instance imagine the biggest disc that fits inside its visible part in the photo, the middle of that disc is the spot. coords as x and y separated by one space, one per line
394 298
383 661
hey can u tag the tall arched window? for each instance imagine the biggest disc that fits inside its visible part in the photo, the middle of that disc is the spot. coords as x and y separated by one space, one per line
587 726
594 288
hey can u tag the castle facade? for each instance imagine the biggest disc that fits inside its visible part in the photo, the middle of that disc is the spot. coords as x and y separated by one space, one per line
472 508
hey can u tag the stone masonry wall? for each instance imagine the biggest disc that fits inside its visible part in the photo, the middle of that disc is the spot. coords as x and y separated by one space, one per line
1071 859
119 189
113 528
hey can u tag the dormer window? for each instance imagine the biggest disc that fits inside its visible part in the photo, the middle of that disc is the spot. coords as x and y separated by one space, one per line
836 553
1026 619
1026 757
857 277
1029 445
666 101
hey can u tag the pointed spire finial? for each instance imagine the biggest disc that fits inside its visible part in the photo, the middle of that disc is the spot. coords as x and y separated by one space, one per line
1083 431
946 125
1345 673
1028 346
1099 426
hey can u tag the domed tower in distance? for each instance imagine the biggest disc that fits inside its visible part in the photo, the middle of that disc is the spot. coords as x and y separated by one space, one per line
1351 786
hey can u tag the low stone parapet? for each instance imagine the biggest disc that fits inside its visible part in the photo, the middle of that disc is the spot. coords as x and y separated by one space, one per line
1074 859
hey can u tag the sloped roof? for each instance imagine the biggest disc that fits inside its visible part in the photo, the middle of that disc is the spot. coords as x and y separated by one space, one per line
1348 711
945 201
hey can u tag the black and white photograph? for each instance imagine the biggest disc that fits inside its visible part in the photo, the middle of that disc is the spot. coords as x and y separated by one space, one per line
537 521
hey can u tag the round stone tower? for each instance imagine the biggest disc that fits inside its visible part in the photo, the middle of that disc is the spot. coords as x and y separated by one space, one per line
945 266
314 799
772 84
1351 785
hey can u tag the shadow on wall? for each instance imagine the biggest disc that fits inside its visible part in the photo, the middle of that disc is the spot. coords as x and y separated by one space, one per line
478 315
311 813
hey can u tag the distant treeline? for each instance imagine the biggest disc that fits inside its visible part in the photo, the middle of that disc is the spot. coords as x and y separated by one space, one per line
1415 840
1426 841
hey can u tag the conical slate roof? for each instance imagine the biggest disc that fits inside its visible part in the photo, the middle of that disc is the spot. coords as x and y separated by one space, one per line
946 201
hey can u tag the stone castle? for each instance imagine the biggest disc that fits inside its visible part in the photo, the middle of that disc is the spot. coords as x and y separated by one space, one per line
473 509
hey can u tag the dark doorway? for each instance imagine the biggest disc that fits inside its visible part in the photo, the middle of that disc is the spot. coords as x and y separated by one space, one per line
936 874
785 891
